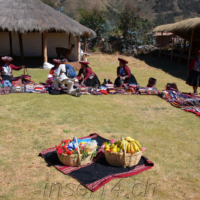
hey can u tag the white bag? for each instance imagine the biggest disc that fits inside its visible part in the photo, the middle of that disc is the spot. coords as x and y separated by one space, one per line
47 65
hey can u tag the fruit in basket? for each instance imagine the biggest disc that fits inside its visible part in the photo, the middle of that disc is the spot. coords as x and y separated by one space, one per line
130 145
129 139
114 150
112 146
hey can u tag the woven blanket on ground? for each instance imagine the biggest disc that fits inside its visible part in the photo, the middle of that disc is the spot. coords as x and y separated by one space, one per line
4 91
119 90
185 101
95 175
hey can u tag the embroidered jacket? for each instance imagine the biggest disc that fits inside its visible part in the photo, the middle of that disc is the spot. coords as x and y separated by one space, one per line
87 73
126 71
7 70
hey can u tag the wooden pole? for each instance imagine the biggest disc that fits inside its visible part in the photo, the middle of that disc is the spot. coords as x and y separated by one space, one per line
78 48
45 46
11 50
69 40
160 44
190 46
184 46
21 46
85 44
42 45
172 46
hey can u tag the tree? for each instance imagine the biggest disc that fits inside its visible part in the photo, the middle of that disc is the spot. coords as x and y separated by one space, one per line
49 3
95 20
130 25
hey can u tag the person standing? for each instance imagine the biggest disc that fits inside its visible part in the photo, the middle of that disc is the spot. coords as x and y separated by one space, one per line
194 74
124 74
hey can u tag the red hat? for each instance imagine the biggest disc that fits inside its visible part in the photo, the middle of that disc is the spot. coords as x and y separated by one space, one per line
84 62
198 51
7 59
57 61
122 60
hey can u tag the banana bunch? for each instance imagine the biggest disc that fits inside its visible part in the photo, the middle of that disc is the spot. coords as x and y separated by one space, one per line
130 144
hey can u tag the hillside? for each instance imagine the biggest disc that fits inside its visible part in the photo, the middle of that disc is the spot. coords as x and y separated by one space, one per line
157 11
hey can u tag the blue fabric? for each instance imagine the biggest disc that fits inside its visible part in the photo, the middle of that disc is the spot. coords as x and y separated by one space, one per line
73 145
198 62
70 72
7 83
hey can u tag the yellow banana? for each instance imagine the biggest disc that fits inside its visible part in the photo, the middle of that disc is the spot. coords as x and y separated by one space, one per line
136 148
130 139
128 147
138 144
132 149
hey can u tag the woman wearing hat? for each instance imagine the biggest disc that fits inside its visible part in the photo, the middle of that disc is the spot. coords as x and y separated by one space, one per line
194 74
6 69
54 70
124 73
90 78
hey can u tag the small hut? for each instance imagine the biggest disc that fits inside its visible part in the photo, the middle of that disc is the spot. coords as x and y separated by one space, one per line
31 28
188 29
167 37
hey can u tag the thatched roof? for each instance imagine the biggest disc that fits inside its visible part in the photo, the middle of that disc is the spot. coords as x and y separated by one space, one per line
183 28
33 15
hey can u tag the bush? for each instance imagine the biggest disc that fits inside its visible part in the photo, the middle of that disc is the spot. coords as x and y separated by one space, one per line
94 49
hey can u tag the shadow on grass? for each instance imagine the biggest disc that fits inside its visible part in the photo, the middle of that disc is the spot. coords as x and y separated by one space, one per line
164 63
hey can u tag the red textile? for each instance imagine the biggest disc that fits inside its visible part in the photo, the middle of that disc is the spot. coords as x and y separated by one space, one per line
192 63
127 71
123 60
12 67
88 73
52 70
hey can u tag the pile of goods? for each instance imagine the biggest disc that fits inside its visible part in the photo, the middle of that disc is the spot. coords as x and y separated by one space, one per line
123 152
77 152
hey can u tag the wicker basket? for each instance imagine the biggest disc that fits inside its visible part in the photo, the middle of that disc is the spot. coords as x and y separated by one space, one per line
75 160
124 160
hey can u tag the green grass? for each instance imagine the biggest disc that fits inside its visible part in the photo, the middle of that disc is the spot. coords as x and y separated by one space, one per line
31 123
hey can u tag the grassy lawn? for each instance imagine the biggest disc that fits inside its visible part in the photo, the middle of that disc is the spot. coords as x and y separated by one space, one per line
30 123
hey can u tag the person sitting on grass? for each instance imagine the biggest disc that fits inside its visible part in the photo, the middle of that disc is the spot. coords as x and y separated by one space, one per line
63 76
124 74
90 78
194 74
6 69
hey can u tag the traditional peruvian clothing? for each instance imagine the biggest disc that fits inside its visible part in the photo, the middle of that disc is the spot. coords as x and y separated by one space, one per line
124 72
90 78
194 73
6 70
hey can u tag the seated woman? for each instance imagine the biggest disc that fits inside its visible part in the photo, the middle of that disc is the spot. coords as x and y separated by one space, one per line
194 74
6 69
124 74
90 78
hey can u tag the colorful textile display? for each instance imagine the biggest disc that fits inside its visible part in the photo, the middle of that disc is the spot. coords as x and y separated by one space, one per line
20 88
39 89
29 88
186 101
4 91
94 175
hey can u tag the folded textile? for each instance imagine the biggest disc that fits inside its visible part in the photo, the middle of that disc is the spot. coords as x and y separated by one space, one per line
99 172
